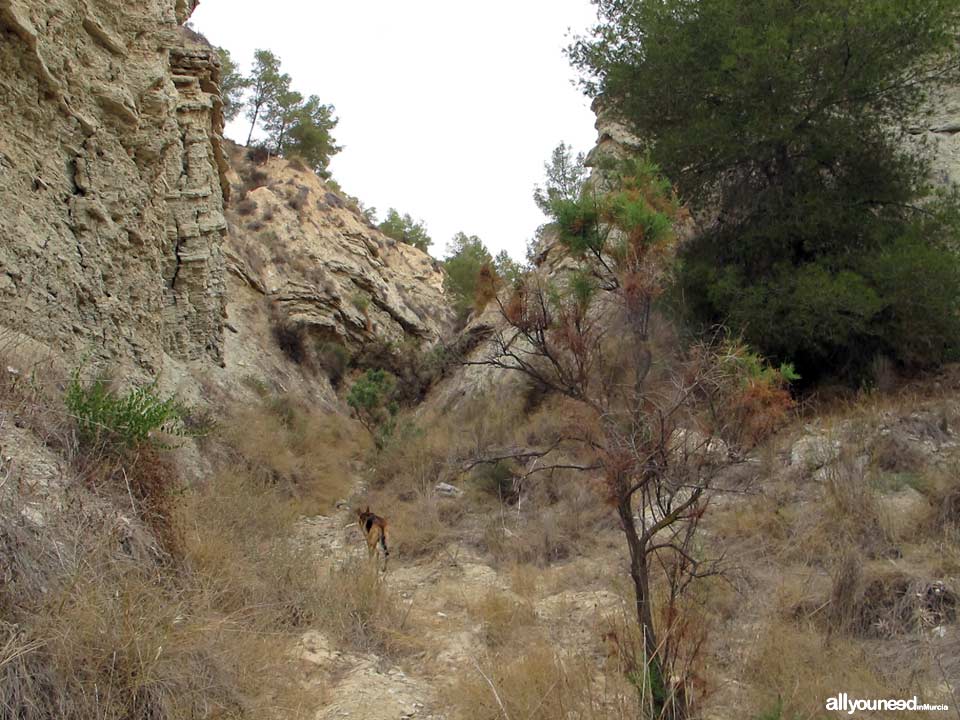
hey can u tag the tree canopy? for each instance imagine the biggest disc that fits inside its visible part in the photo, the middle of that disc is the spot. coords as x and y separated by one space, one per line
565 176
309 135
783 125
232 85
405 229
292 125
467 257
266 83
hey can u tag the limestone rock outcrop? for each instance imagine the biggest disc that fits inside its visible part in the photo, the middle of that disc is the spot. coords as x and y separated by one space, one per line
940 126
112 180
325 270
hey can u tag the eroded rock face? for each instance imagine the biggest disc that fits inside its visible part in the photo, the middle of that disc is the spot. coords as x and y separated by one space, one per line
112 180
323 267
940 128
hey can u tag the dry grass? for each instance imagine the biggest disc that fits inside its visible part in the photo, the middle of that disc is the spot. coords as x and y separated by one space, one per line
540 682
359 613
502 618
310 453
542 519
99 622
799 666
97 629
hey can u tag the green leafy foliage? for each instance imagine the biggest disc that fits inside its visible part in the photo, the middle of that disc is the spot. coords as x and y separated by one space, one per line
117 422
405 229
279 115
780 126
466 257
309 136
506 268
371 398
294 126
232 85
632 218
266 82
565 176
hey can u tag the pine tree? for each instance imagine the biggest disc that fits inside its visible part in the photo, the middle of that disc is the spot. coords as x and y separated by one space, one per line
233 85
783 125
565 175
309 135
405 229
266 83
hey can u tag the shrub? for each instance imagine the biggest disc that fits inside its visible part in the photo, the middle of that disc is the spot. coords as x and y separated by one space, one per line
297 164
121 422
371 398
466 257
496 479
403 228
258 155
247 206
299 201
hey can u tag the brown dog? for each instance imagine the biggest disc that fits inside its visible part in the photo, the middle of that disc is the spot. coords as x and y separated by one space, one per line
374 529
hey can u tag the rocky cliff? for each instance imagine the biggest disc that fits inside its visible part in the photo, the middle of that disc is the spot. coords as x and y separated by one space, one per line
112 180
114 184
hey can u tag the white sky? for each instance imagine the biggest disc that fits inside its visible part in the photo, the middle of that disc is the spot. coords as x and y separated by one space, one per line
448 109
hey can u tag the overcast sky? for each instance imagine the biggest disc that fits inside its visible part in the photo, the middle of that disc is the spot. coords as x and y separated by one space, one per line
448 109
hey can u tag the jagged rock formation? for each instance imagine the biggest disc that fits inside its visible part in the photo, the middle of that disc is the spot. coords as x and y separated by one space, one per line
323 267
112 180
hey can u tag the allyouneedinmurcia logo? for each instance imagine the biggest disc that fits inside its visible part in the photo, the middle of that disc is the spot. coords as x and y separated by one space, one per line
846 704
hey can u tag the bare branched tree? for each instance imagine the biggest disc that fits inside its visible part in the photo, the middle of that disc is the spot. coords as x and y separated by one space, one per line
658 427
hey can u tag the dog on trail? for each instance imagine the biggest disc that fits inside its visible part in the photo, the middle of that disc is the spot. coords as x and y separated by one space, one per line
374 529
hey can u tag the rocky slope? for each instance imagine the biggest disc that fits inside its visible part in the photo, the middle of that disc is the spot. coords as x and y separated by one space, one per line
326 272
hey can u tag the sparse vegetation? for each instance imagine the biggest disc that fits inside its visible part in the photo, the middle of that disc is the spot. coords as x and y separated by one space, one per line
592 512
632 413
404 229
232 85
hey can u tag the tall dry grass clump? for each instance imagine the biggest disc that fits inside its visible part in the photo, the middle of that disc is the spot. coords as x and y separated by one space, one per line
539 682
282 441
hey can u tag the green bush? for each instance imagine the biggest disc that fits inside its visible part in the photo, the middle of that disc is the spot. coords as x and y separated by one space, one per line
466 257
371 398
405 229
834 314
496 479
121 422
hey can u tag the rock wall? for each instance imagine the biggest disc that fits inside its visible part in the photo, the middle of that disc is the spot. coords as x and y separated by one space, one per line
112 180
940 128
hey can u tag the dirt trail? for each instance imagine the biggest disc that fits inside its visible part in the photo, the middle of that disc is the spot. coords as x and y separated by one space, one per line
436 594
